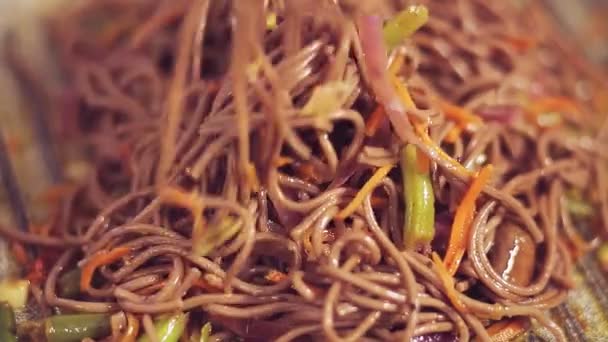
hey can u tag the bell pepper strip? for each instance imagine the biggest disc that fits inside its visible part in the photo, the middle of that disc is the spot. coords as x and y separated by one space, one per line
419 225
453 135
447 281
367 188
69 328
404 24
206 332
507 330
463 219
100 258
169 329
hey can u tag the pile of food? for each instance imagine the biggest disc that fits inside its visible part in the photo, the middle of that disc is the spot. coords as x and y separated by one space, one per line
318 170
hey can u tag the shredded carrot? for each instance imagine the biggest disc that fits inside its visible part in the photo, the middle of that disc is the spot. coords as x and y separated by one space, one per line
253 177
307 242
282 161
453 134
37 272
56 193
559 104
379 202
275 276
462 116
204 285
14 145
521 43
463 219
439 151
132 329
308 172
403 92
374 121
19 253
508 329
191 201
448 283
365 190
99 259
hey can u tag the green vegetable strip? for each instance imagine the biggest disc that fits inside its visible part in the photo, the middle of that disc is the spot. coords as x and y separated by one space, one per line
68 328
206 332
419 225
169 329
7 323
214 237
404 24
68 285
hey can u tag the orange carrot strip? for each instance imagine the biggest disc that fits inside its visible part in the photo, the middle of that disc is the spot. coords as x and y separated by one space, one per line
463 219
204 285
282 161
99 259
453 134
365 190
19 253
132 329
554 103
460 115
275 276
448 284
507 330
438 150
374 121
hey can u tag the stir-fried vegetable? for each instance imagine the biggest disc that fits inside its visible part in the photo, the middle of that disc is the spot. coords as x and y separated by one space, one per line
7 323
602 256
169 329
132 329
404 24
214 237
578 206
100 258
328 98
74 328
271 21
206 332
463 219
419 225
508 329
367 188
191 201
14 292
448 283
68 285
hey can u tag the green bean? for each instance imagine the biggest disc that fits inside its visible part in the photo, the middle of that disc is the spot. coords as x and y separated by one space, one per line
169 329
206 332
7 323
419 225
68 328
68 285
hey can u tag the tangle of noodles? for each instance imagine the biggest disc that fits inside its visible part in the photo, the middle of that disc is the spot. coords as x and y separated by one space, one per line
195 114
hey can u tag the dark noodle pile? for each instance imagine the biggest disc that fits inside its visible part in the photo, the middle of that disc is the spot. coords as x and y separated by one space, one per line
223 176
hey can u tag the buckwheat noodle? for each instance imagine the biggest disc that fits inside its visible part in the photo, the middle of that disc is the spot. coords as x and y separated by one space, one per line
193 112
